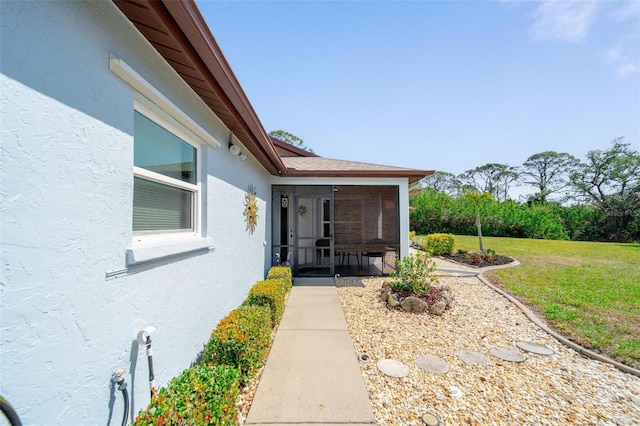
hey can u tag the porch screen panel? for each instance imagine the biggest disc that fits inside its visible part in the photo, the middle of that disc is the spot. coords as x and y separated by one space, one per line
366 213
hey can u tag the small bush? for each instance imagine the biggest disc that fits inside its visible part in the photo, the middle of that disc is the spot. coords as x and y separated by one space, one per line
439 244
241 340
281 273
412 235
414 273
201 395
269 293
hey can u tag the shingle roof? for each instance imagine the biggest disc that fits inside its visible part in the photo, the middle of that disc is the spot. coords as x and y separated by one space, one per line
329 167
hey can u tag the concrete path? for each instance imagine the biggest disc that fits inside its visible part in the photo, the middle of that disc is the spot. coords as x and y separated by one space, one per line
312 374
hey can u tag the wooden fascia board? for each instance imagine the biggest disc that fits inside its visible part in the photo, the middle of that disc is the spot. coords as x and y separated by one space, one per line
205 49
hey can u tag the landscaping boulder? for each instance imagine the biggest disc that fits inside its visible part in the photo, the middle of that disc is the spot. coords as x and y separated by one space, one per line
438 308
437 300
414 305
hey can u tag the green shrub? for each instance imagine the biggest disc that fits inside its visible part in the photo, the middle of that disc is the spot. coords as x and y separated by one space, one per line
439 244
241 340
412 235
201 395
414 273
269 293
281 273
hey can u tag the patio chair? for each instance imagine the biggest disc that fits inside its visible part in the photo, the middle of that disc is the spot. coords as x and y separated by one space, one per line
374 254
325 243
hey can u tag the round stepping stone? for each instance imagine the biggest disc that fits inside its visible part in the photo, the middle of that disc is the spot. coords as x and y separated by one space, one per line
393 368
433 364
507 354
430 419
473 357
535 348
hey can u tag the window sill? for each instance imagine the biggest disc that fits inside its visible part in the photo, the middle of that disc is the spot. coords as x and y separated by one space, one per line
147 252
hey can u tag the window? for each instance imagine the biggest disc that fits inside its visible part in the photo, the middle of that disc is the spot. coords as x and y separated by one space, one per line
169 149
165 189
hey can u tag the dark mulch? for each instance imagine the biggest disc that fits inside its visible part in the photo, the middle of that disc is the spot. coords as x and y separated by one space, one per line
430 296
476 261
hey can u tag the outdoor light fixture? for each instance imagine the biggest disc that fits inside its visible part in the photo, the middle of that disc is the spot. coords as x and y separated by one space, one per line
235 149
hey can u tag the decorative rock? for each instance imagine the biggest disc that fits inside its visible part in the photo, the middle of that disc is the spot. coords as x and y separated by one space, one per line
535 348
393 368
433 364
455 392
473 357
414 305
391 301
507 354
566 388
438 308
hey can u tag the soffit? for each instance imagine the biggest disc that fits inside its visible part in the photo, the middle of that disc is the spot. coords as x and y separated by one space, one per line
179 33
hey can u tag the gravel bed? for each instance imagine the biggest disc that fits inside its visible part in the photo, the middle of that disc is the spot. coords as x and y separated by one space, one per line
562 389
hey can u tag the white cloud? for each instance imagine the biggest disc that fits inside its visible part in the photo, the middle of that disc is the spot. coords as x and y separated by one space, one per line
563 20
623 55
627 69
629 9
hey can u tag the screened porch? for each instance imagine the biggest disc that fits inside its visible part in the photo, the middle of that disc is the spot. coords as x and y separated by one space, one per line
323 230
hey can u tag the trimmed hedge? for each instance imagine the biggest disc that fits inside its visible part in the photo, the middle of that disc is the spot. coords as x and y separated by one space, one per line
281 273
241 340
269 293
201 395
206 394
439 244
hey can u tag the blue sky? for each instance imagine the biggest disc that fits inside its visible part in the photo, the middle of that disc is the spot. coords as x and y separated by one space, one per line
444 85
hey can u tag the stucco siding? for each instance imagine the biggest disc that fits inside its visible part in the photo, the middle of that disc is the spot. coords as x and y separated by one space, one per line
67 320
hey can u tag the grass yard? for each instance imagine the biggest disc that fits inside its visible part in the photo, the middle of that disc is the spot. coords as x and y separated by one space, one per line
588 291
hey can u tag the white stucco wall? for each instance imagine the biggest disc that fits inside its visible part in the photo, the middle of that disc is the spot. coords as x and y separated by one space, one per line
66 214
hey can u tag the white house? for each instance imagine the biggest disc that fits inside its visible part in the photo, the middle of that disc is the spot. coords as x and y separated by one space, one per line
131 160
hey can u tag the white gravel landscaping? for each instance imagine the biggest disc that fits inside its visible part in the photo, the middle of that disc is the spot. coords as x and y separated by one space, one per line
564 388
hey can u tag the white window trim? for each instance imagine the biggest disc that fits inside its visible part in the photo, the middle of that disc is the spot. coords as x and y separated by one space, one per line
147 247
165 180
164 120
142 86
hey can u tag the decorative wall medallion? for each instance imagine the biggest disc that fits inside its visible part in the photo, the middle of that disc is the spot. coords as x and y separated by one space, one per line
250 209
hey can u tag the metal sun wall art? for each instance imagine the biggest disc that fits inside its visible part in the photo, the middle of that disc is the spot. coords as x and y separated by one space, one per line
251 209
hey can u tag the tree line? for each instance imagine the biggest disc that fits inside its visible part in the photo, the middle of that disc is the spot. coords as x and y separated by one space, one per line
596 199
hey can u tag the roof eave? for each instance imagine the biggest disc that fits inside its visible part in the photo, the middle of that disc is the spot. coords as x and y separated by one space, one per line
412 175
183 21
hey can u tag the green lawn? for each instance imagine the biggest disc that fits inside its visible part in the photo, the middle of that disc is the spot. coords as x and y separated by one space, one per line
588 291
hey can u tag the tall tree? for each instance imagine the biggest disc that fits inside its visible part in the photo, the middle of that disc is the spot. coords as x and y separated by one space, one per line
611 180
494 178
444 182
289 138
549 172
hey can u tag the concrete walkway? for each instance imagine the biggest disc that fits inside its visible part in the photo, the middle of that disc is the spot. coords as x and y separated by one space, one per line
312 374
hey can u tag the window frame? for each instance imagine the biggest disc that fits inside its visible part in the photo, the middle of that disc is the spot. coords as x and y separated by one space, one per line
170 124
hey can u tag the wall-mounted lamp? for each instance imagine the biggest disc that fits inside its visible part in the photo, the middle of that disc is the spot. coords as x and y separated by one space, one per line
235 150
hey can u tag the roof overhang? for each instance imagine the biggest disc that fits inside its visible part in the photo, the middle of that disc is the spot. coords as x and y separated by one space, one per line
413 176
179 33
177 30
